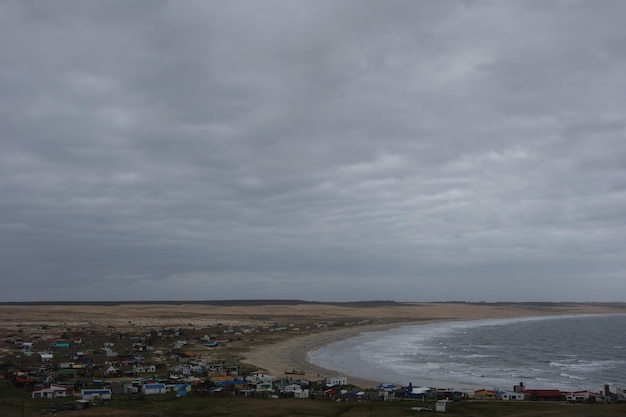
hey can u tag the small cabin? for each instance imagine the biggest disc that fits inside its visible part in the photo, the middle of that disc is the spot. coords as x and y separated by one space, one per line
152 389
95 394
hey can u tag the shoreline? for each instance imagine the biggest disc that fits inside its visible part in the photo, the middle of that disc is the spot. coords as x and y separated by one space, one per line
294 352
256 343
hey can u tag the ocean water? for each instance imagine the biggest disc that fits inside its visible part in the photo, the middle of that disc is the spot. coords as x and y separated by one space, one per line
556 352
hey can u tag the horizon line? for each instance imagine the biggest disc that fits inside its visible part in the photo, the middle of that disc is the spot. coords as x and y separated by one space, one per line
275 301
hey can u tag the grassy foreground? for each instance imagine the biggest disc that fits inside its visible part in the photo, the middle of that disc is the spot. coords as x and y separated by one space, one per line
169 406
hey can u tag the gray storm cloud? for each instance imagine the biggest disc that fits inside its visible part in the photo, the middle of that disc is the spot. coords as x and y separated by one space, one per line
319 150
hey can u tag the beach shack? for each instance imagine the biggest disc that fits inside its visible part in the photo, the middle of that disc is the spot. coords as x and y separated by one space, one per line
485 394
544 395
53 391
95 394
151 389
264 386
577 395
419 392
331 381
507 395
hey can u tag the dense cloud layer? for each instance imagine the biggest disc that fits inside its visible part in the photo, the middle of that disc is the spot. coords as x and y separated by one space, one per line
319 150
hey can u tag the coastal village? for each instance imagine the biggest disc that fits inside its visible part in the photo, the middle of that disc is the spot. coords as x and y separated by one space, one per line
92 365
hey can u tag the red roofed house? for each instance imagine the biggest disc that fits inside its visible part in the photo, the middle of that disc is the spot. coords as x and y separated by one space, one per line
53 391
544 395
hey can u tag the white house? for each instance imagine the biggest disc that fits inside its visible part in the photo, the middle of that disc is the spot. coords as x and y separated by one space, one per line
264 386
331 381
292 388
95 394
583 395
111 370
510 395
109 352
151 389
260 377
297 391
53 391
178 387
142 369
303 393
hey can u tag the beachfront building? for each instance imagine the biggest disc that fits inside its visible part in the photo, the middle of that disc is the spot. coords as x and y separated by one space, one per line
585 395
485 394
419 392
507 395
264 386
143 369
53 391
95 394
544 395
295 390
152 389
331 381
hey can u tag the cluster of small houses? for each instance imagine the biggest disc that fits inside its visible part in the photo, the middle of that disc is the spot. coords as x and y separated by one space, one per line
518 393
105 394
334 388
521 393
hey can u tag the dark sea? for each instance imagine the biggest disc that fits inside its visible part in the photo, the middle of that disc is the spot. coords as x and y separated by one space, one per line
562 352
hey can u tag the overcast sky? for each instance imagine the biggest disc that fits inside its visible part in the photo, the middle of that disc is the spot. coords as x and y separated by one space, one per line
316 150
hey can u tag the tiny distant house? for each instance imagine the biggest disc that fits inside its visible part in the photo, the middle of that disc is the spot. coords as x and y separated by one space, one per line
111 371
419 392
505 395
142 369
95 394
264 386
577 396
53 391
178 387
296 391
301 394
485 394
336 380
292 388
585 396
152 389
110 353
544 395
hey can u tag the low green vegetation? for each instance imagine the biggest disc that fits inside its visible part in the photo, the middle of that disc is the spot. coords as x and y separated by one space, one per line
16 402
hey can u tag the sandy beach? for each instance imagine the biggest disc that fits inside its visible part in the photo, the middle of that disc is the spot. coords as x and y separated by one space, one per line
293 352
274 353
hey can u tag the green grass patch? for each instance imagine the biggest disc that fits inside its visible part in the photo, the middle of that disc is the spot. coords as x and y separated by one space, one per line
17 402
